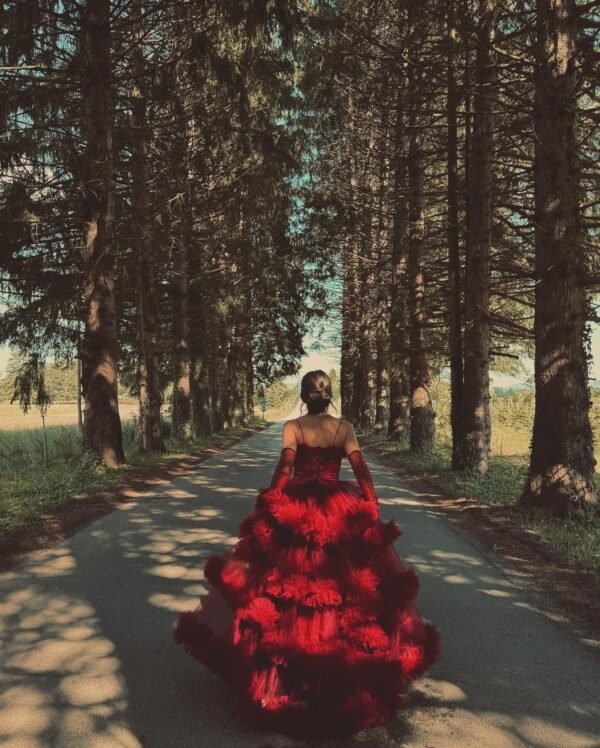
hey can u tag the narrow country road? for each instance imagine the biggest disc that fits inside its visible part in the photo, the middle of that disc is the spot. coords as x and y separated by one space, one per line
87 657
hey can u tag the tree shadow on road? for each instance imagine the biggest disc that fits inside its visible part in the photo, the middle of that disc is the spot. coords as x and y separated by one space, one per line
89 658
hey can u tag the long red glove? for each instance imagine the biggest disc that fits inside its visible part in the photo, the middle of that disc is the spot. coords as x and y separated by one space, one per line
284 468
363 474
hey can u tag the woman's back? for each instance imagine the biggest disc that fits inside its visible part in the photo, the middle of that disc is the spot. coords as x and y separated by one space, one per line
320 430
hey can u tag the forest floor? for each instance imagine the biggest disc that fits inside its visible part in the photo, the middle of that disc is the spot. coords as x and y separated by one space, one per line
520 542
61 516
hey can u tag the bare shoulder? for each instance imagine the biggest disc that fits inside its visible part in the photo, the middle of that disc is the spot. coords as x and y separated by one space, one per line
288 434
350 438
343 425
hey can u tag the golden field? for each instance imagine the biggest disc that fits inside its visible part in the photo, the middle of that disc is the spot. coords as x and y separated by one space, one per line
59 414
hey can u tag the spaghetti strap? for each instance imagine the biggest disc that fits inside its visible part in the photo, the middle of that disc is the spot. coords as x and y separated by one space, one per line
302 432
336 432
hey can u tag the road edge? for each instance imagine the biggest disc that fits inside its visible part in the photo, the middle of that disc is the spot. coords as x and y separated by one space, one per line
71 516
567 595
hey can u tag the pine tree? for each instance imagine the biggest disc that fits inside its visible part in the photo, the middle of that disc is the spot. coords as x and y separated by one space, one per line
561 473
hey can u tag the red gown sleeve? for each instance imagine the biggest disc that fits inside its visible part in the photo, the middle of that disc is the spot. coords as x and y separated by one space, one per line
284 468
363 474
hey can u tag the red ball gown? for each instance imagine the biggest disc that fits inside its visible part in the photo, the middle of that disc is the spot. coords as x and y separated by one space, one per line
311 618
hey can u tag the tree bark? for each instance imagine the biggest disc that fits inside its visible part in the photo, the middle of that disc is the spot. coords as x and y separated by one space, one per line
422 417
247 356
382 317
422 424
202 420
150 426
399 418
219 337
349 391
454 270
365 329
79 403
235 364
181 407
99 349
249 368
366 374
561 473
382 384
477 423
240 327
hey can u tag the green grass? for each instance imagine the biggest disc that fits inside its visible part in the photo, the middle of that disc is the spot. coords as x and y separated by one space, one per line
501 485
575 540
28 490
24 448
25 496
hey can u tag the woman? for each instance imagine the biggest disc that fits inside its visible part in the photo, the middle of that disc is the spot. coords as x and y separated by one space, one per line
311 617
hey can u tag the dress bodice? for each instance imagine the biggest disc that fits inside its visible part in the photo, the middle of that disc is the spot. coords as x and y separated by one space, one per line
318 463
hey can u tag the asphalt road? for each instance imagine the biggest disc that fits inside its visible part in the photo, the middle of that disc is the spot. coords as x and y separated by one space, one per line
87 657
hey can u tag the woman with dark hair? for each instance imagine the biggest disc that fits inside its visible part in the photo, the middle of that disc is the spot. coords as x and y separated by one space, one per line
311 618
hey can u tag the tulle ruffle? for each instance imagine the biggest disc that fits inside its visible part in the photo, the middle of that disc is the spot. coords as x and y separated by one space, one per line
311 618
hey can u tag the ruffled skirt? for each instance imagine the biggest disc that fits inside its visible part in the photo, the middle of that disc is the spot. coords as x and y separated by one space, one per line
311 618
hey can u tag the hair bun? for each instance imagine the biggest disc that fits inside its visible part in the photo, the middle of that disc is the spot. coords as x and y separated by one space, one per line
315 391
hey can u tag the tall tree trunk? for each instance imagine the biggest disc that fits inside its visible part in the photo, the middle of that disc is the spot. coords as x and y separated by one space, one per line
99 349
477 423
399 418
382 319
382 397
218 336
454 275
366 376
422 424
247 351
150 426
349 391
561 473
219 376
235 363
215 374
239 328
79 403
201 400
246 361
365 328
422 417
383 392
249 357
181 407
200 312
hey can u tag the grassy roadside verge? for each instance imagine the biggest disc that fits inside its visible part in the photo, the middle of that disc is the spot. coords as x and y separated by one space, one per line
31 496
578 543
